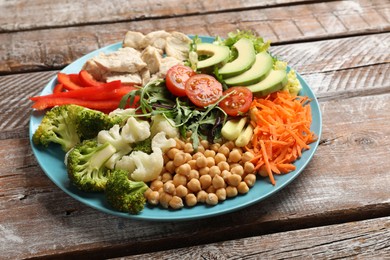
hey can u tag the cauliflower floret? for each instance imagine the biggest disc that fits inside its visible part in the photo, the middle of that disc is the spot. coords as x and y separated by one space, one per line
114 137
160 141
162 124
135 130
142 166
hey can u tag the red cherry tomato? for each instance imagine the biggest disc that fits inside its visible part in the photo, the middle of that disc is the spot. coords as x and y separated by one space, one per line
203 90
238 101
176 79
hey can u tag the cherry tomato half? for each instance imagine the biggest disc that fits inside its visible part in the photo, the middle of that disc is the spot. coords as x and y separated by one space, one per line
203 90
238 102
176 79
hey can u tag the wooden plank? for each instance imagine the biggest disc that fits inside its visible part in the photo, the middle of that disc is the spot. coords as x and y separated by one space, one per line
53 49
340 184
22 14
369 239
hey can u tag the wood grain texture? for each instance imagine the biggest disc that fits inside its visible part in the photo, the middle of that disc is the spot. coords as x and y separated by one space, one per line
365 239
23 15
328 192
55 48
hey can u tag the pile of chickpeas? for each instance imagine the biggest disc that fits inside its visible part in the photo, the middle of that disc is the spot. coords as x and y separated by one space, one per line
211 174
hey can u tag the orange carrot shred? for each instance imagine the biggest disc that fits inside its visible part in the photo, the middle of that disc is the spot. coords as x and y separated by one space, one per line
282 132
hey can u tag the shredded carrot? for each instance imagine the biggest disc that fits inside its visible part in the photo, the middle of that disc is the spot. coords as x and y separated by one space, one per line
281 124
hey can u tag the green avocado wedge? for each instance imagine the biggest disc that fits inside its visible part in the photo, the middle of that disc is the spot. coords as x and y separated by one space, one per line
245 59
275 81
259 70
217 54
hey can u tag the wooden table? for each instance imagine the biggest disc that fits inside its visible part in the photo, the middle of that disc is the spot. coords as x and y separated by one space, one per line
339 207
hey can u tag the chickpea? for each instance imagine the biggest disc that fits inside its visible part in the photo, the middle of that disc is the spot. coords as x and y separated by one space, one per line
201 196
147 192
249 167
171 153
210 161
191 200
179 159
218 182
170 167
192 164
194 174
201 162
197 155
219 157
238 170
179 144
205 181
166 176
212 199
250 179
234 156
230 145
204 171
176 202
205 144
242 187
210 189
169 187
215 147
231 191
263 172
234 180
187 157
194 185
200 149
214 170
209 153
166 158
183 169
156 184
179 179
247 156
221 194
188 148
153 197
224 166
224 150
181 191
165 198
225 175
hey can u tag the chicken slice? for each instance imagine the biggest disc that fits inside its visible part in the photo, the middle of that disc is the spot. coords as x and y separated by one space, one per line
178 46
152 57
133 39
96 71
156 39
125 78
123 60
166 64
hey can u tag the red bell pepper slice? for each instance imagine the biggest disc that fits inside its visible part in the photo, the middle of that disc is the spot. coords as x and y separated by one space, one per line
74 77
90 93
58 88
102 105
65 80
87 80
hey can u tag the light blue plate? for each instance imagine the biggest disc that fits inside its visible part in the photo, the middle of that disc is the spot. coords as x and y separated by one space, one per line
52 162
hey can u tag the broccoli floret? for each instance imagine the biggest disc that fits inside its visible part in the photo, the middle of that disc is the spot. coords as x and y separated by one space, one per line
57 126
143 146
124 194
68 125
85 165
90 122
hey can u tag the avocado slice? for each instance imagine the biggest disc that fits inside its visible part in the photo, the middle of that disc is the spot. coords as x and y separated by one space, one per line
275 81
218 54
259 70
245 59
